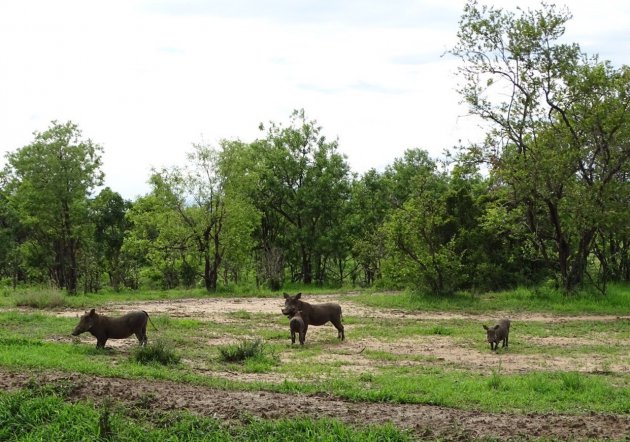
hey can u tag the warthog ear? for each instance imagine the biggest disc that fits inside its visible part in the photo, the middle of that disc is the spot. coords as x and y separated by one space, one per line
298 296
485 327
286 296
92 312
496 327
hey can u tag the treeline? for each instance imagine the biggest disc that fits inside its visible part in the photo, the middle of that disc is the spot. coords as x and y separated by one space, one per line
546 197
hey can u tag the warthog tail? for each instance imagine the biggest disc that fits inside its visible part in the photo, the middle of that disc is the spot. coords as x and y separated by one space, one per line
149 318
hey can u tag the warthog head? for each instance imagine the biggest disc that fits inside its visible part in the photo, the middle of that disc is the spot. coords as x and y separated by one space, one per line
491 333
292 304
85 323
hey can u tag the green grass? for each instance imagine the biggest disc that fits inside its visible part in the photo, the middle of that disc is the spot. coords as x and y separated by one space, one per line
42 414
615 302
41 341
156 353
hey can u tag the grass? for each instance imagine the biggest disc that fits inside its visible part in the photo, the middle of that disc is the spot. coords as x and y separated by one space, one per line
156 353
26 344
241 351
615 302
42 414
40 341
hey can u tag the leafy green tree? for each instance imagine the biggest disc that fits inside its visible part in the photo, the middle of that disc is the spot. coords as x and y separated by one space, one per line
559 127
420 232
108 211
303 194
216 216
155 246
51 180
371 203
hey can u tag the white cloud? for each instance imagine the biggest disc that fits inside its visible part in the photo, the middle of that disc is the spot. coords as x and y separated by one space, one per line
147 79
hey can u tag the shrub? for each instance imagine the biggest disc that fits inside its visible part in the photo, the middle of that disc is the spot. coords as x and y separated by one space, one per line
241 351
157 352
41 299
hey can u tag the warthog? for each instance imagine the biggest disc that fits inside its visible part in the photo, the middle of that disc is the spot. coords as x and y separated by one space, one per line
499 332
104 328
297 326
314 314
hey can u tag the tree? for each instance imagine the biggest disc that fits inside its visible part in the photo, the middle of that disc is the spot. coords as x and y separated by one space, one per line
109 211
420 232
216 218
51 180
559 126
303 195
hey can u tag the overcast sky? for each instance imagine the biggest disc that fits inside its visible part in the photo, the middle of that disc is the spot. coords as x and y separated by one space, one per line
146 79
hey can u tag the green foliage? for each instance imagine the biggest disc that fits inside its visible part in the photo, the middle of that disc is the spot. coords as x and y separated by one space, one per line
41 299
243 350
48 187
559 164
156 352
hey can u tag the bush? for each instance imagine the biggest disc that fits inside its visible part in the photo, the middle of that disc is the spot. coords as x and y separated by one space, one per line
41 299
241 351
157 352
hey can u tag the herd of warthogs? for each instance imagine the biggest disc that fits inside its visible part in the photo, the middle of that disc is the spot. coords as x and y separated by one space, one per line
301 314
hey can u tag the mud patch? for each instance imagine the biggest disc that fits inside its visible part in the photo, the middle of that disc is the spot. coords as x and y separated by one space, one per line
427 422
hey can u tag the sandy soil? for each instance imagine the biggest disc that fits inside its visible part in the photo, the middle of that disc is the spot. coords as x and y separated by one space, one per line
427 422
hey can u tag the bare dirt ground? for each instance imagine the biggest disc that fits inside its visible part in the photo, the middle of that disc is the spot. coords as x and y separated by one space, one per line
427 422
438 348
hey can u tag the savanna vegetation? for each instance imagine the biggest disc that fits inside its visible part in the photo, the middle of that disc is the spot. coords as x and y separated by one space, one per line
531 224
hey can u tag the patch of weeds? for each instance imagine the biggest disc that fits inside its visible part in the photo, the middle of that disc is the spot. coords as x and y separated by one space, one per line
41 299
441 330
572 381
105 431
366 377
158 352
241 351
240 314
20 342
495 378
61 389
145 401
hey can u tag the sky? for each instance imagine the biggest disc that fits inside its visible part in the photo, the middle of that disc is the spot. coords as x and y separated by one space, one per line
148 79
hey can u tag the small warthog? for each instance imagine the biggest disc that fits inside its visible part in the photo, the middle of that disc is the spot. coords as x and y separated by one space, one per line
314 314
297 326
104 328
499 332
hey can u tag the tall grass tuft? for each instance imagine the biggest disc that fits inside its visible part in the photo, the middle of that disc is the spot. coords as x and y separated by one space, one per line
41 299
241 351
156 353
495 380
572 381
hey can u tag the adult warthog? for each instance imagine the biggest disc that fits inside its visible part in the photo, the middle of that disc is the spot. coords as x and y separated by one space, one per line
314 314
103 327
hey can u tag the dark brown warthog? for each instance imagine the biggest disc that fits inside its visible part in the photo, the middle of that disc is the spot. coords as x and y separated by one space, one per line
314 314
297 326
499 332
104 328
